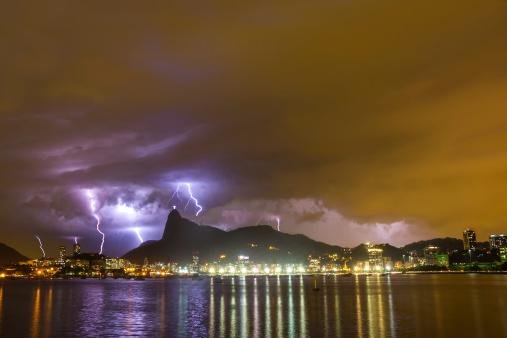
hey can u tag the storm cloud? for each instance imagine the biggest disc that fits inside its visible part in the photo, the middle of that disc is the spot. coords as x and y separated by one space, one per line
385 121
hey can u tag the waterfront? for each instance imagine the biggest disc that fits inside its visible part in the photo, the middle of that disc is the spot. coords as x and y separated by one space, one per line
375 306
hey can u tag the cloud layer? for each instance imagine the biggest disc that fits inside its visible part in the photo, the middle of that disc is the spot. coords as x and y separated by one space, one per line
387 119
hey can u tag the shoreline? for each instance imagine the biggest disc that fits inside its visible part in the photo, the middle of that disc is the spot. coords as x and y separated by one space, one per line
201 277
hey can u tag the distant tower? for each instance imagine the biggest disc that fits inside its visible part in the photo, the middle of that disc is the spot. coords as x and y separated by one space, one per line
62 253
469 240
77 249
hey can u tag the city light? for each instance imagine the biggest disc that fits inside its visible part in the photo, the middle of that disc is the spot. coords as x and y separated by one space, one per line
183 270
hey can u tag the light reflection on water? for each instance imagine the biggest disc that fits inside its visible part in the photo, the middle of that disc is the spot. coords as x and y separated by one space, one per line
35 314
284 306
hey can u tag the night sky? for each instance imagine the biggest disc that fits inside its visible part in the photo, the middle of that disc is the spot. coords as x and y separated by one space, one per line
351 121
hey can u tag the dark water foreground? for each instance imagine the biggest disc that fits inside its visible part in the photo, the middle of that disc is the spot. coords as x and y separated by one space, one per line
374 306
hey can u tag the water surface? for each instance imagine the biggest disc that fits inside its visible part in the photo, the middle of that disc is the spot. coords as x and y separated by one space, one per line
285 306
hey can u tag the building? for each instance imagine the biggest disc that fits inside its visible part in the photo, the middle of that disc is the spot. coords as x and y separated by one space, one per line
469 240
497 241
434 257
62 254
414 259
314 264
243 264
77 249
116 263
430 255
375 259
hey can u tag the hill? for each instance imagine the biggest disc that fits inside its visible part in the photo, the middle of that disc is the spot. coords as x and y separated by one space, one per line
182 238
446 244
8 255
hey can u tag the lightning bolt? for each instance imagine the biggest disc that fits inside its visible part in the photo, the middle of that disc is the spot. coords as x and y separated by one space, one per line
190 198
189 188
75 239
138 233
40 246
186 205
277 223
93 208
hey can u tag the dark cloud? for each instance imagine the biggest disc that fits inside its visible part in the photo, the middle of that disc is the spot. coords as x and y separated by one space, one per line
390 113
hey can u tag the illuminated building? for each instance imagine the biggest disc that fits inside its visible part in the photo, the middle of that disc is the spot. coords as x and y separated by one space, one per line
497 241
414 259
375 260
243 264
313 264
469 240
76 249
498 244
430 255
62 253
433 256
116 263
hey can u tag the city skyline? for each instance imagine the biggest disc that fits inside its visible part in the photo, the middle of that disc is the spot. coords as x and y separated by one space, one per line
469 239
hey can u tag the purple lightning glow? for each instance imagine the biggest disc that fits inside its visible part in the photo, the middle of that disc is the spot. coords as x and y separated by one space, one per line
41 246
190 198
93 208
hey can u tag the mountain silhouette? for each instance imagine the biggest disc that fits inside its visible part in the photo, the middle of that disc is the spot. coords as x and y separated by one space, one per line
183 238
9 255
